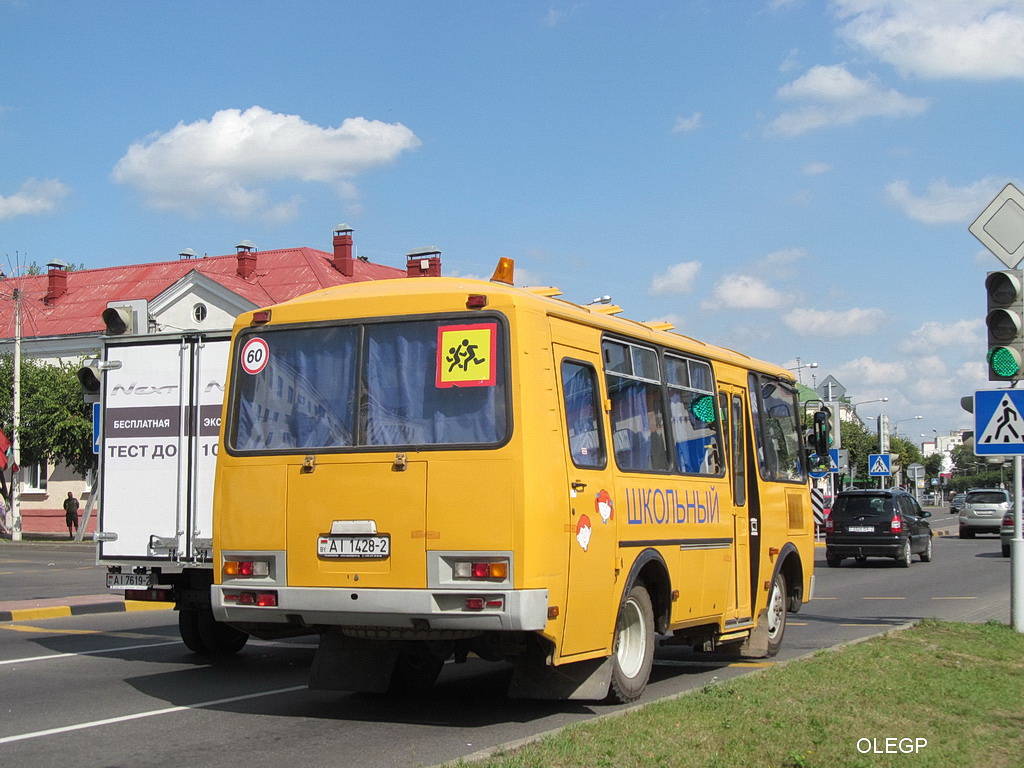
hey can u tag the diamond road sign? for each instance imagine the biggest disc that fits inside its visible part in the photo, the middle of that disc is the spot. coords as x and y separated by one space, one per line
1000 227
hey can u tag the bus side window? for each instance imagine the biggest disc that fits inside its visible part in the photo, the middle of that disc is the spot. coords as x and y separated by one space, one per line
582 412
633 377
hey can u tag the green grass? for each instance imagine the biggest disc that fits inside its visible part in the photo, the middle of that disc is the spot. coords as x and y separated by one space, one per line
960 686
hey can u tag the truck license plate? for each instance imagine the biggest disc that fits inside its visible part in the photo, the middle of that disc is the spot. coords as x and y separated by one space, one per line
354 546
129 581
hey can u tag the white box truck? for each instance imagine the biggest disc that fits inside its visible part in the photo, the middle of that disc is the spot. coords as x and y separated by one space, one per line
162 396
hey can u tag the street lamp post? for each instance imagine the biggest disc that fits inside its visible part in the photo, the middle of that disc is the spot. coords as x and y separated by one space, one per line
799 367
900 421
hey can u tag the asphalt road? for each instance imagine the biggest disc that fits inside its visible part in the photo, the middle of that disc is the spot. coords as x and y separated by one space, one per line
119 689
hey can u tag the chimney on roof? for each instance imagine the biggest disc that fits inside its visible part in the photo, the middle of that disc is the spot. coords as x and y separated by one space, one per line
246 251
343 249
424 262
57 280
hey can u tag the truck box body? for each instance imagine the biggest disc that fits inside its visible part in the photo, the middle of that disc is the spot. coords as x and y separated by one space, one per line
161 416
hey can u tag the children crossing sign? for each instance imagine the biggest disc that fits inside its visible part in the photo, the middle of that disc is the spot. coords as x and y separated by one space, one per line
999 422
879 464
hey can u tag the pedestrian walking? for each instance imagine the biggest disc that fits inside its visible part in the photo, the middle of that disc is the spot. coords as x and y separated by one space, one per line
71 514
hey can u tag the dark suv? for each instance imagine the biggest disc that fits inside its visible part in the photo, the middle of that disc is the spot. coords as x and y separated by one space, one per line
877 523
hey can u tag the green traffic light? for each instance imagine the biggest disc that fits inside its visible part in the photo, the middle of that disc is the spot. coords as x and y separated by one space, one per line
1004 362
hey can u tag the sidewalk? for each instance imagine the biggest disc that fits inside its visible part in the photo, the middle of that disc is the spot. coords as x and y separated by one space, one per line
57 607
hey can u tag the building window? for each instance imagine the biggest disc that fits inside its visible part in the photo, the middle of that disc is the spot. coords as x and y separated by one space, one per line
199 312
33 477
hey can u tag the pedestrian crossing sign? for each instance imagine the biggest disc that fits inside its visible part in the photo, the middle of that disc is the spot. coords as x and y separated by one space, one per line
999 422
879 464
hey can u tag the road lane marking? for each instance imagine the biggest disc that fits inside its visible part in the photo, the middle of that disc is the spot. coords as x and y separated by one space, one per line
972 597
883 598
141 715
97 652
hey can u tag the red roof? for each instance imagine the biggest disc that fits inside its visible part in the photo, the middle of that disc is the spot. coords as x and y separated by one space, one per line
278 276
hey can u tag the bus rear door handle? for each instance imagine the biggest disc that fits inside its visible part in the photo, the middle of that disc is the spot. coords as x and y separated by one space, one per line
578 486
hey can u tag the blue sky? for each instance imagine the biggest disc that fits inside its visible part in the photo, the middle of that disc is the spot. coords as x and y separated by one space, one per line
789 178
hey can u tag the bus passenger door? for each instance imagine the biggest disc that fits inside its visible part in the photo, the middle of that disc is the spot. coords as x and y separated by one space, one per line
734 410
591 524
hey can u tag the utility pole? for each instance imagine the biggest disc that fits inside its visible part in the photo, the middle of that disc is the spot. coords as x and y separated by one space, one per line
16 421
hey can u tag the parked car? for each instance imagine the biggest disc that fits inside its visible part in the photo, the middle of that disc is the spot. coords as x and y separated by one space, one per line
957 503
877 523
1006 534
983 511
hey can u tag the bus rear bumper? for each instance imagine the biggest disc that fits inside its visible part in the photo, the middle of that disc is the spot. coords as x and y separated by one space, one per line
400 609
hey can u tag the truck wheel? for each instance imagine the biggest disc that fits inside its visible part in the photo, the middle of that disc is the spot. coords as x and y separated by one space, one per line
201 633
220 639
633 654
188 628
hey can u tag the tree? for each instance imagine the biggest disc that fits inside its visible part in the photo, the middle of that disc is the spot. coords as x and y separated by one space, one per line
56 424
970 471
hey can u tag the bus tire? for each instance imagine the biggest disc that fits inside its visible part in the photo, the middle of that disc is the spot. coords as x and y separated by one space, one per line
633 653
775 614
417 668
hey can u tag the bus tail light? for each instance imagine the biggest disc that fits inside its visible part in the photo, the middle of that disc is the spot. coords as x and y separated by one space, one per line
480 570
246 569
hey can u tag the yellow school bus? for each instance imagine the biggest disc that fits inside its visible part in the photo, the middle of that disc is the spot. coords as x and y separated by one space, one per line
421 469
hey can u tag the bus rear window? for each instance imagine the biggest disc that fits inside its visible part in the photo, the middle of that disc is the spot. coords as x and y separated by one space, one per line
381 385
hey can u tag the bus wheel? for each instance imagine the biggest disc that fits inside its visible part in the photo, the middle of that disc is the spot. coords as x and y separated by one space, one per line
417 668
634 647
776 614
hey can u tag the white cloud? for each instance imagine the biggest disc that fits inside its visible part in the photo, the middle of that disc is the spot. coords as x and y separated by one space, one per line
869 371
223 163
784 256
943 204
687 124
745 292
34 197
823 322
933 335
968 39
679 278
816 169
828 96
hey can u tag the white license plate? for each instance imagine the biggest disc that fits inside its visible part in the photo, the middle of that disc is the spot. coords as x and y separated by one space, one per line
354 546
129 581
861 529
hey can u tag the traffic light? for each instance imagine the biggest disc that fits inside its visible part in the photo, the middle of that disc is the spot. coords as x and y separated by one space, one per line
119 320
1005 321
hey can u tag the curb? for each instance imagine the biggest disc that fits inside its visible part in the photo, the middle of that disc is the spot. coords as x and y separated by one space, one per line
30 610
